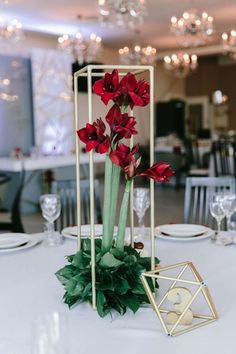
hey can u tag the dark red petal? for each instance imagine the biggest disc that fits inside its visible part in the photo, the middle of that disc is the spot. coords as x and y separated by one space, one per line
91 145
107 96
137 100
98 87
123 148
113 114
83 135
115 79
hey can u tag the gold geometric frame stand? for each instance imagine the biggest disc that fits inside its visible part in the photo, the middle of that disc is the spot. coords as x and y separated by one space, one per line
90 72
180 319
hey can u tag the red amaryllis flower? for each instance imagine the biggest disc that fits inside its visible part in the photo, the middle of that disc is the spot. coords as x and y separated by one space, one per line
107 87
93 136
160 172
124 157
121 124
141 96
133 92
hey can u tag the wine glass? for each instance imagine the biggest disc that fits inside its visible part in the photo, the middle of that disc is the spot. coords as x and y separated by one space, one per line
217 210
141 202
229 206
51 208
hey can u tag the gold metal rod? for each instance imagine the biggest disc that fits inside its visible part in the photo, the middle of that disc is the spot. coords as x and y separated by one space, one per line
77 146
196 315
132 198
192 327
161 269
152 205
205 292
91 190
170 278
171 287
186 308
152 301
195 272
209 301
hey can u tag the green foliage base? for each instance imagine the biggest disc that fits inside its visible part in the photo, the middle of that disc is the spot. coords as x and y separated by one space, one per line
118 284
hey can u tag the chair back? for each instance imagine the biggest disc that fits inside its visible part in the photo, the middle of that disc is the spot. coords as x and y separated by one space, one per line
13 222
67 191
224 157
198 192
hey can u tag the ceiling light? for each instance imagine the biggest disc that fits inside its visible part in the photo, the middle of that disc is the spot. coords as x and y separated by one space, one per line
10 32
229 43
195 28
181 64
82 49
122 13
138 55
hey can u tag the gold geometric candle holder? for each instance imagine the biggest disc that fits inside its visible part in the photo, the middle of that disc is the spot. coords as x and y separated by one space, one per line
179 308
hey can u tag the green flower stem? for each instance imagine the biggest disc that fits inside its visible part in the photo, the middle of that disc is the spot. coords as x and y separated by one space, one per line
107 236
123 217
114 195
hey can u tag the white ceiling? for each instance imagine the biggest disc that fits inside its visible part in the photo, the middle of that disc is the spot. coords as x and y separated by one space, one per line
59 16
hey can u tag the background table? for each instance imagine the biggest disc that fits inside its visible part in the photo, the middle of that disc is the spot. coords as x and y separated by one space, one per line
63 165
29 288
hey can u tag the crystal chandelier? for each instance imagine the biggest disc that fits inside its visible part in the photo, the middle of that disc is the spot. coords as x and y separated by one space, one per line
229 43
195 28
137 55
181 64
10 32
122 13
82 49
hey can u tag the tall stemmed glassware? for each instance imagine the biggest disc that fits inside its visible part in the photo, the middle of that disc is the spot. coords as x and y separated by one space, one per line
228 202
141 202
217 210
51 209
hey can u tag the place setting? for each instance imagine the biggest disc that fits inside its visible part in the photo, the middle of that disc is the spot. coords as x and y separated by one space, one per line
183 232
13 242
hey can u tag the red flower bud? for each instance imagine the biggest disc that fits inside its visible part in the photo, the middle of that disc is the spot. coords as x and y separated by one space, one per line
160 172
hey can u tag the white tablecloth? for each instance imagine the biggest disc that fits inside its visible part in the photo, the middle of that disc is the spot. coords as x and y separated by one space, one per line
29 288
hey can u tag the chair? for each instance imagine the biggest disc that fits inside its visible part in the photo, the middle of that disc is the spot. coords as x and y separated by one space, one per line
198 191
10 218
224 157
67 190
198 163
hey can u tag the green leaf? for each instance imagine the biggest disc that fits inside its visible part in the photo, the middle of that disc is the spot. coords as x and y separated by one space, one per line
74 287
80 261
64 274
131 301
101 300
122 286
109 261
138 289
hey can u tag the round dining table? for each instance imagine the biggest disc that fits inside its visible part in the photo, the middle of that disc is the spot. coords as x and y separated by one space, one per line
29 288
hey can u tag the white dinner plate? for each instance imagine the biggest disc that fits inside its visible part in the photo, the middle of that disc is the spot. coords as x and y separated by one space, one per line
182 230
208 233
71 232
31 243
10 240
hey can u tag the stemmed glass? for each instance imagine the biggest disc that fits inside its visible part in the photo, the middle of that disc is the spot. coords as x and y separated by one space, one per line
217 210
141 202
51 208
228 202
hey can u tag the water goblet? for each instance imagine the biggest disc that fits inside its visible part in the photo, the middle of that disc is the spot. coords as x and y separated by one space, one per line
51 208
229 206
217 210
141 202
